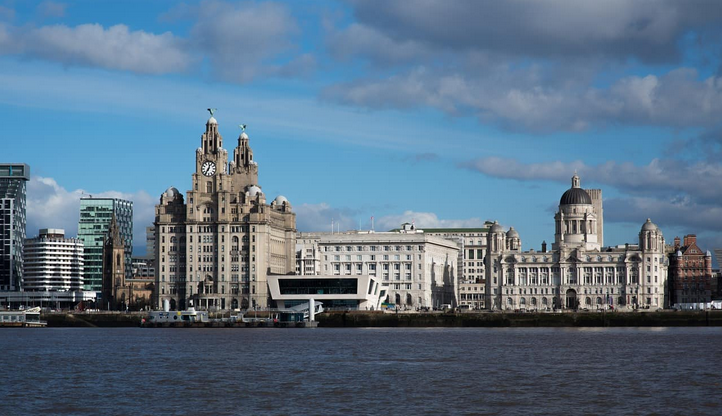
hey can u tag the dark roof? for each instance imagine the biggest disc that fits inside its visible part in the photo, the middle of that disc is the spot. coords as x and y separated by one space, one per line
575 196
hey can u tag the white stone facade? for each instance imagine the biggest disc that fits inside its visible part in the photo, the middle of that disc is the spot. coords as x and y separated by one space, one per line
418 270
472 251
577 272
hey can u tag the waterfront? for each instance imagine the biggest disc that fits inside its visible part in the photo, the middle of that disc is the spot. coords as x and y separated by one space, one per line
360 371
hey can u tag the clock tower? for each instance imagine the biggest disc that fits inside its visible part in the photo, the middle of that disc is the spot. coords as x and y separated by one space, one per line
215 249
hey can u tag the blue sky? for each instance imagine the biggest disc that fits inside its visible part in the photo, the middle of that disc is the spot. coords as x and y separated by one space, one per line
445 113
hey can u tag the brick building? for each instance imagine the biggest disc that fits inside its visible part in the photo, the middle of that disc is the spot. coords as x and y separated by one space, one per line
690 272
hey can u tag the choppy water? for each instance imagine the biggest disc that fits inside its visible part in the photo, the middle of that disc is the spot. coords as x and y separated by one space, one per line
438 371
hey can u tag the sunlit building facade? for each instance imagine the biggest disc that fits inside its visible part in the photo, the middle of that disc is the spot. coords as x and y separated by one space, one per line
215 248
53 262
578 272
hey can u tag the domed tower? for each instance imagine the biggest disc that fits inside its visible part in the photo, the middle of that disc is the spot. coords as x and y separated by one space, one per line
496 239
281 204
655 265
243 169
496 246
650 238
513 242
576 221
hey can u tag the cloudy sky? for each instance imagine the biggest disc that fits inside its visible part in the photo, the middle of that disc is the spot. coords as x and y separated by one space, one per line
444 113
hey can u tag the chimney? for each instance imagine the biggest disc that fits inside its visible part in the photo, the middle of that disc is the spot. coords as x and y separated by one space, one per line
676 242
690 239
544 246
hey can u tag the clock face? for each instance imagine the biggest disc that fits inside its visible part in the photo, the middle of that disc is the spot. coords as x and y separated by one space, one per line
208 168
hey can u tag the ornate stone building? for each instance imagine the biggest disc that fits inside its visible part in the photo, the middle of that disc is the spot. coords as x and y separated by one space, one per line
216 247
690 272
578 272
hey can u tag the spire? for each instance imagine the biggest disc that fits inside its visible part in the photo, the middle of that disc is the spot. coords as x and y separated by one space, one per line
243 155
114 233
211 141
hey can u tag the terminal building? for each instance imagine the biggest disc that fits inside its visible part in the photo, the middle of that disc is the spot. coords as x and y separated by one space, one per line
333 292
578 272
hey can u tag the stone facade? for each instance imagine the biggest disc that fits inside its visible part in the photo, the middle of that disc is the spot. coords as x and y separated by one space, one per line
417 270
216 249
116 293
472 250
578 272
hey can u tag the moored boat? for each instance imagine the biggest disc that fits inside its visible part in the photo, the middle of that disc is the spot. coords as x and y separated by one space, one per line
28 318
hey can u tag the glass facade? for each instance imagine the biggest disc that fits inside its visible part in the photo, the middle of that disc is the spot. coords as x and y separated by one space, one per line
13 177
95 217
310 286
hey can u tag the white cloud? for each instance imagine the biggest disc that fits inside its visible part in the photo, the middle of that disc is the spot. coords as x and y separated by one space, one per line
424 220
50 205
242 42
659 177
318 217
648 30
115 47
534 65
528 99
674 193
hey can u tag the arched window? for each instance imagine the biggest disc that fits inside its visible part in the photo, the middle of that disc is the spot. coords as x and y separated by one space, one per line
117 260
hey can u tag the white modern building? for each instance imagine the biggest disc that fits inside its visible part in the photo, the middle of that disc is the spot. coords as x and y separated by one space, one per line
53 262
417 270
53 275
347 292
578 272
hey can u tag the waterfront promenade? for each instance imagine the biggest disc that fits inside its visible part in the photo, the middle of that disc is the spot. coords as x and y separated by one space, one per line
482 319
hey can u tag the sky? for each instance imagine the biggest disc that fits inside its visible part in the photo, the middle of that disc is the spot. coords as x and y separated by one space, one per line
442 113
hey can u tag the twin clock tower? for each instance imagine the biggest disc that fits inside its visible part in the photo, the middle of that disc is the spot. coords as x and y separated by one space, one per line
216 247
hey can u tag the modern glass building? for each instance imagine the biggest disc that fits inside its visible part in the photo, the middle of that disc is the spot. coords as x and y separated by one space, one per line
13 178
95 217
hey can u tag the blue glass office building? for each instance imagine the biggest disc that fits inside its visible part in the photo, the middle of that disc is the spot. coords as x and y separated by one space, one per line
95 217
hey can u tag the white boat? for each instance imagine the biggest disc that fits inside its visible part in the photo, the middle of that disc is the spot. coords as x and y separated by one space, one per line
189 315
25 318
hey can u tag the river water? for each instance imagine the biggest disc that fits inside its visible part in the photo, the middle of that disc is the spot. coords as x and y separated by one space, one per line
435 371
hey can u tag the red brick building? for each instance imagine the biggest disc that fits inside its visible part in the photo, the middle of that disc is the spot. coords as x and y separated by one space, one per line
690 272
